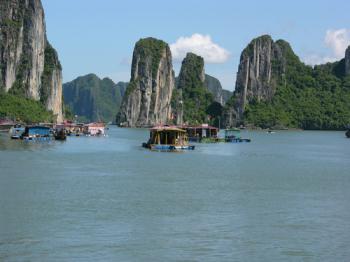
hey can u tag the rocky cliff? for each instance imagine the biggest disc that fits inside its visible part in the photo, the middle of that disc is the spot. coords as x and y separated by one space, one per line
29 66
261 65
192 98
214 86
274 89
92 98
347 61
147 99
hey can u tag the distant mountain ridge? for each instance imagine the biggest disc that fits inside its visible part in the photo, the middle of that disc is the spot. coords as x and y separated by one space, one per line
94 99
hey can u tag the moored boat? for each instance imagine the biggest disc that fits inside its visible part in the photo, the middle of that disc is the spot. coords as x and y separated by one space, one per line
348 133
202 133
233 135
60 134
16 131
95 129
168 138
37 133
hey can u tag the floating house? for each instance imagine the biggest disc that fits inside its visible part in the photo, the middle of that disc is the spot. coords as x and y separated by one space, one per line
72 129
233 135
168 138
203 133
37 133
94 129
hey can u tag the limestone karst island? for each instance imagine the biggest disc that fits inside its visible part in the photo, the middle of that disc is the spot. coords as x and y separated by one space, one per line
153 131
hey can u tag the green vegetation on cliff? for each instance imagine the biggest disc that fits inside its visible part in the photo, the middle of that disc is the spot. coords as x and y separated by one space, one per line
152 48
305 97
310 99
51 63
195 96
23 109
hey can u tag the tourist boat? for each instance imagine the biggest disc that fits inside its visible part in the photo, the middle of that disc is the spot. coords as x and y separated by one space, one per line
16 131
233 135
168 138
37 133
202 134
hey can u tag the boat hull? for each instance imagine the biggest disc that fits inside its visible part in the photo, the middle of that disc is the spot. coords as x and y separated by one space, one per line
170 148
238 140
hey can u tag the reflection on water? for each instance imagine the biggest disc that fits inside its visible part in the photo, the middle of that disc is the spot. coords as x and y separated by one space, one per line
282 197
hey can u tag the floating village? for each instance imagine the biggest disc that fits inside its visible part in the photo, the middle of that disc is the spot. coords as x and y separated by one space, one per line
161 137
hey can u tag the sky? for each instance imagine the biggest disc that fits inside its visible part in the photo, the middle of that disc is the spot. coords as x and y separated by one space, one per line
98 36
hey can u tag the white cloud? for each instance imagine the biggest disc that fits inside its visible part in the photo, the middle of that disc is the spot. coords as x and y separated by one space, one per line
337 41
201 45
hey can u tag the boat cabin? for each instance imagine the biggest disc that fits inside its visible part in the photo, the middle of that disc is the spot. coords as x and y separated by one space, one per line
202 132
167 138
72 129
37 132
94 129
233 135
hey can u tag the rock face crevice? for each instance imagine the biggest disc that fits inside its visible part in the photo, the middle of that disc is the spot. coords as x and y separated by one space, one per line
147 99
261 66
28 62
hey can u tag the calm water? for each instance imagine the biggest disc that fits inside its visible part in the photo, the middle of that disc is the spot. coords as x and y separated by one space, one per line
283 197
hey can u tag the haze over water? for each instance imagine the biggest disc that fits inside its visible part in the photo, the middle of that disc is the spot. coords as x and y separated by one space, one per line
283 197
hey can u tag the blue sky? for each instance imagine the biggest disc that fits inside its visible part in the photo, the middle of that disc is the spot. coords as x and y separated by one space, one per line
98 36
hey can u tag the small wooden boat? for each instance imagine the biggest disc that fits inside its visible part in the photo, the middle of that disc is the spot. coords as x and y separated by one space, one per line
167 138
60 134
233 135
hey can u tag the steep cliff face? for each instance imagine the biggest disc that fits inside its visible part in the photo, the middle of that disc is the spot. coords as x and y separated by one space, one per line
92 98
29 65
274 89
148 96
262 65
192 97
214 86
347 61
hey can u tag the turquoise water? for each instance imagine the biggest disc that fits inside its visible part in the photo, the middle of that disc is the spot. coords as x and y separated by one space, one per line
283 197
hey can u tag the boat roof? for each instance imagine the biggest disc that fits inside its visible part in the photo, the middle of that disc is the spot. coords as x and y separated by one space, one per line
167 128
